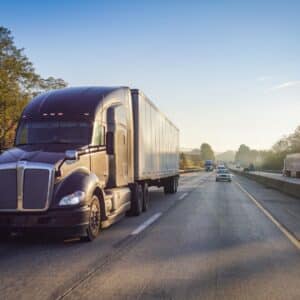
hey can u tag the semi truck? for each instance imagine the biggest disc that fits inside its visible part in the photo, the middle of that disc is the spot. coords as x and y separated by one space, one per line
209 165
83 158
292 165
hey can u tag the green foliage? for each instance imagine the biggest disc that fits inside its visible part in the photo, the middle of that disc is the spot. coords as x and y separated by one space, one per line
272 159
18 84
190 159
206 152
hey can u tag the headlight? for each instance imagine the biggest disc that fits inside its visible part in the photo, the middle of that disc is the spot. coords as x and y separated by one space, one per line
73 199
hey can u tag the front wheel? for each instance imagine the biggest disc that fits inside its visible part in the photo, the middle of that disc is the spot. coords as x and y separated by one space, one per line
94 225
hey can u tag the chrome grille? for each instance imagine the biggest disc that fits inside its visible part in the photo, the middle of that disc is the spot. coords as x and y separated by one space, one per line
26 186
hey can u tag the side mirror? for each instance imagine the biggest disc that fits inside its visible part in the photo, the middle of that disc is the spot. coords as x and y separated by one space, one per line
110 143
71 155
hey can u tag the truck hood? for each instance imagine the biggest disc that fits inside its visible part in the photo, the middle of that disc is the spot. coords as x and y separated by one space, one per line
34 154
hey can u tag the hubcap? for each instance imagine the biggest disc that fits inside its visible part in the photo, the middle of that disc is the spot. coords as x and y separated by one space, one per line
95 218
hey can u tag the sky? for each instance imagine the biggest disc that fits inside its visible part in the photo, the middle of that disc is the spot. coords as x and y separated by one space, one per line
225 72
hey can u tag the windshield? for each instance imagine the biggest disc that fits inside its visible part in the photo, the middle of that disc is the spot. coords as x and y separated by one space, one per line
54 132
223 171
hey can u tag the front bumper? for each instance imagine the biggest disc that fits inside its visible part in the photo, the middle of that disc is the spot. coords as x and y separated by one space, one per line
220 178
67 222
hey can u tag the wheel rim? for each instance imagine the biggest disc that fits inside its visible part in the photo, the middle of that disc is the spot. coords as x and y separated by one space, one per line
94 218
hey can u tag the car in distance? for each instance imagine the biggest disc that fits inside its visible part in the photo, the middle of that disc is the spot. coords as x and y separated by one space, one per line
223 175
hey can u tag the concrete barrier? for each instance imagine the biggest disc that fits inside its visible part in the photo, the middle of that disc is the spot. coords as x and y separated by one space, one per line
289 188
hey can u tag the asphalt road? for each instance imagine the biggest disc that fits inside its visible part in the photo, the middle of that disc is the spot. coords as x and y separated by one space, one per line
209 241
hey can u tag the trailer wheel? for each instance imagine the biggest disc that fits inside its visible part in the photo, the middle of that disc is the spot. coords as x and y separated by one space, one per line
136 199
146 196
93 229
167 186
176 184
171 185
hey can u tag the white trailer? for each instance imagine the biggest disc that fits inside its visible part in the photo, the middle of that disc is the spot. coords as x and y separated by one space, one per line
292 165
156 141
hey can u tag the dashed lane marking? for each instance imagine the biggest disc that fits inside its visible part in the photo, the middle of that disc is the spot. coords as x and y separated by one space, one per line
146 224
182 196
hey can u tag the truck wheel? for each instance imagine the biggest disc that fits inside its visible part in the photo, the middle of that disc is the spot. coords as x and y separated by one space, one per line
173 185
146 196
176 184
93 229
167 186
136 199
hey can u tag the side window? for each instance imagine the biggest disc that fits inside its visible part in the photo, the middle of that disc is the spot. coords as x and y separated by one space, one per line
99 134
120 115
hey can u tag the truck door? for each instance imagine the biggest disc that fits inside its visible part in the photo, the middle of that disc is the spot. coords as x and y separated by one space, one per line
118 162
99 160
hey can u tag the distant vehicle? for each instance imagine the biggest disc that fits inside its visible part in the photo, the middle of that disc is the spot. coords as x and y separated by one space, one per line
292 165
83 158
223 175
221 167
209 165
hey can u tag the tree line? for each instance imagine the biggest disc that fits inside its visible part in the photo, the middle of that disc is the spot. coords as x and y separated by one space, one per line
196 157
272 159
19 82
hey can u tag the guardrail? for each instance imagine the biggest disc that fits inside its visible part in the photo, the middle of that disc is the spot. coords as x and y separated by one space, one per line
282 185
191 170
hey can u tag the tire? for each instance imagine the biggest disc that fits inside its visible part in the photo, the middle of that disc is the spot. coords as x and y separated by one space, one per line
136 199
146 197
176 179
173 185
167 186
94 225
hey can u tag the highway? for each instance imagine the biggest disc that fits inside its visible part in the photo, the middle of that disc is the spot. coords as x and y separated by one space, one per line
211 240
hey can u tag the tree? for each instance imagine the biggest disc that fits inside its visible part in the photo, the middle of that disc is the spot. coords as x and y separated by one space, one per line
206 152
226 156
18 84
243 155
183 161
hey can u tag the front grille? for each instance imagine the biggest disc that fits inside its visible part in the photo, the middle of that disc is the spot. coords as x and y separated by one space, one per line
8 189
35 188
25 186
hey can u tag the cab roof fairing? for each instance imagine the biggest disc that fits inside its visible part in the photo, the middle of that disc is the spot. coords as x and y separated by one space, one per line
71 104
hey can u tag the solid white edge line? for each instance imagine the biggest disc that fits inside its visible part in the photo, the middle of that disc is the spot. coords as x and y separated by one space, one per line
291 237
147 223
182 196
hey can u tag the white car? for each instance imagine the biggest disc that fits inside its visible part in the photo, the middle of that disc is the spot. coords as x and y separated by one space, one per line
223 175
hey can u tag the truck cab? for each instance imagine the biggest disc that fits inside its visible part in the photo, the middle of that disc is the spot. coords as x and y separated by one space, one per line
72 163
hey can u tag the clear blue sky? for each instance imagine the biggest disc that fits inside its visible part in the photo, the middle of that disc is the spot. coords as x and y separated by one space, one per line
226 72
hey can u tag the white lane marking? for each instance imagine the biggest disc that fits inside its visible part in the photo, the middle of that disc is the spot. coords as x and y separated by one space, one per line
146 224
182 196
290 236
